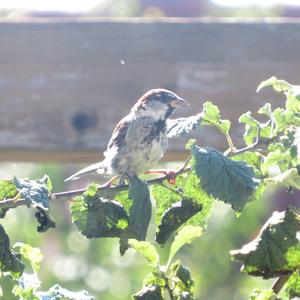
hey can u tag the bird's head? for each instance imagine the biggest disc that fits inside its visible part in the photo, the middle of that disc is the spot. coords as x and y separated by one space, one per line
159 103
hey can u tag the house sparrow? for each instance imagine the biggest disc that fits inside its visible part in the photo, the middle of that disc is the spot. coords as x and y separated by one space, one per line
140 139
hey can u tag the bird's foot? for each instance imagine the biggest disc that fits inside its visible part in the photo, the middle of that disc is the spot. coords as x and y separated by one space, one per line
109 182
170 174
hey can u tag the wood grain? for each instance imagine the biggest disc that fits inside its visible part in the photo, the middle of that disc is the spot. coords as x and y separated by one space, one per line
65 84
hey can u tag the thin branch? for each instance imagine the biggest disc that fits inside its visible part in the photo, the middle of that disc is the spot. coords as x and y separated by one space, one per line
12 203
119 188
258 142
279 283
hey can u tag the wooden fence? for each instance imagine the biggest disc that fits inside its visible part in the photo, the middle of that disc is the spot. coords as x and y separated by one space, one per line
65 84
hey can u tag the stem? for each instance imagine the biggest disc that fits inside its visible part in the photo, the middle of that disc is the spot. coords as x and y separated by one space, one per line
12 203
230 143
279 283
169 292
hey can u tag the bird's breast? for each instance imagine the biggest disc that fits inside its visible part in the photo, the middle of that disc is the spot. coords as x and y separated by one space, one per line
144 146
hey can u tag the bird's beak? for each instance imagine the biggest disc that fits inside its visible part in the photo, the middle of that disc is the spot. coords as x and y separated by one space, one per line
179 102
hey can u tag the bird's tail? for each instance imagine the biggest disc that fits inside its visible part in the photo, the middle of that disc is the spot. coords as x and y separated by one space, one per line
94 168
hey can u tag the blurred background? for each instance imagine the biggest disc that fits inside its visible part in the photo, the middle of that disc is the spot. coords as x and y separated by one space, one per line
69 70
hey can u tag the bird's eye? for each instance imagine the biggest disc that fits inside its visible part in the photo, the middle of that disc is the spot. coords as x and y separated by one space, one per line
171 96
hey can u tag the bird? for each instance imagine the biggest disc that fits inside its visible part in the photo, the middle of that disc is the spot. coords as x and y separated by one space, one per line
139 140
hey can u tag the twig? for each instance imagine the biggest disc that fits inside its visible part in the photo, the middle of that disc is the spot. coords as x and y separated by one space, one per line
12 203
253 146
123 187
279 283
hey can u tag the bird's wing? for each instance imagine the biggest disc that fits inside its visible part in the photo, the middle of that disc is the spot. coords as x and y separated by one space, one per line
119 134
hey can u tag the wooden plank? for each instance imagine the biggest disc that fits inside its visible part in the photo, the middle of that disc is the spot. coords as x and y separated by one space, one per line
65 84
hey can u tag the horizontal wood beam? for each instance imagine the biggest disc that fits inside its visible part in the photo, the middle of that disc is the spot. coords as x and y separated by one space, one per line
65 84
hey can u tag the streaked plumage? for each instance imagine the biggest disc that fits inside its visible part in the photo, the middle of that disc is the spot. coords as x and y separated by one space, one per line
139 140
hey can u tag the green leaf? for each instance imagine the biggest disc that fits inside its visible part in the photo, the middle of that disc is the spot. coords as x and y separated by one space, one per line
27 286
187 188
35 192
182 126
253 159
293 99
212 116
284 118
7 189
32 254
263 295
147 250
150 292
181 281
266 110
141 208
289 178
276 250
252 128
227 180
276 158
184 237
156 278
182 274
278 85
174 217
9 260
292 287
96 217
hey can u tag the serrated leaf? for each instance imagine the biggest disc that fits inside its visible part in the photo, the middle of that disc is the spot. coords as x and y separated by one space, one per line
96 217
212 116
284 118
35 192
289 178
9 260
150 292
276 158
32 254
278 85
186 187
292 287
276 250
182 126
174 217
253 159
227 180
266 110
263 295
184 237
7 189
141 208
293 99
252 128
147 250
